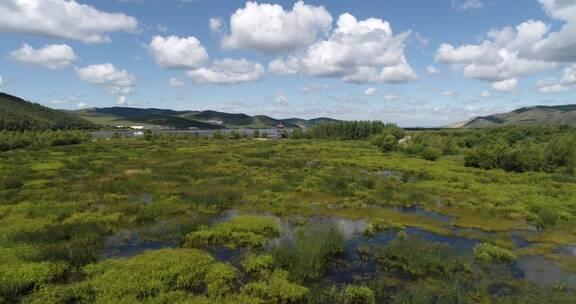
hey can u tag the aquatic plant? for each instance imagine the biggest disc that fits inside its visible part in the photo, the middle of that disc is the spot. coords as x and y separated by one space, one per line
420 257
489 253
258 265
242 231
306 258
380 225
358 295
276 289
220 280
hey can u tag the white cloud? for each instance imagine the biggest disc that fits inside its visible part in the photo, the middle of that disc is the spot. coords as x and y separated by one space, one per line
505 86
178 53
448 93
82 105
569 77
1 80
370 92
53 56
390 97
228 71
432 70
269 28
176 83
559 46
314 88
499 57
553 88
62 19
467 4
107 76
486 94
215 25
291 66
281 97
356 51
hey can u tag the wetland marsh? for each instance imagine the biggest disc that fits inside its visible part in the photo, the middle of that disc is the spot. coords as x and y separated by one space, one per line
199 220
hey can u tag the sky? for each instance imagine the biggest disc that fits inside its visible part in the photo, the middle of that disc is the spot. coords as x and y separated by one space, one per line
417 63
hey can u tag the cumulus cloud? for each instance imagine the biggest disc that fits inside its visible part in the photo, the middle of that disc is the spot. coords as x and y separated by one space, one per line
107 76
498 58
215 25
558 46
370 92
569 77
551 85
269 28
467 4
486 94
448 93
390 97
505 86
228 71
176 83
281 97
432 70
62 19
553 88
314 88
178 53
53 56
356 51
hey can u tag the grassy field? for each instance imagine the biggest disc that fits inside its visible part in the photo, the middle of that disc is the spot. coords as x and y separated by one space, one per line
59 208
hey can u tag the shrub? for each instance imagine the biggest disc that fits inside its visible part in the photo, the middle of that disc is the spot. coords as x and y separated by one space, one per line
431 154
489 253
359 295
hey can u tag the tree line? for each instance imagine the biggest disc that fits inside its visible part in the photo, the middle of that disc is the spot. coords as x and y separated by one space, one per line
10 140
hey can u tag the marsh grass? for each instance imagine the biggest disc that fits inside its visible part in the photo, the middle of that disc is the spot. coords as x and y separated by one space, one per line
307 257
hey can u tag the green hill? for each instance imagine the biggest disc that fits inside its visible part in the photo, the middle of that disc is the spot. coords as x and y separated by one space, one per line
171 121
535 115
121 116
17 114
303 123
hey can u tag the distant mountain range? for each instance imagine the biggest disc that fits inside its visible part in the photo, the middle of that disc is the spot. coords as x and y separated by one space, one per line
534 115
17 114
123 116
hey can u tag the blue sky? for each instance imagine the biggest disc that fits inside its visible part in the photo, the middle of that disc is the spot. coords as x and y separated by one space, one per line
412 62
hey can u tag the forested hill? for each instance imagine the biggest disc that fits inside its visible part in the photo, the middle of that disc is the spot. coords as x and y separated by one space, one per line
535 115
184 119
17 114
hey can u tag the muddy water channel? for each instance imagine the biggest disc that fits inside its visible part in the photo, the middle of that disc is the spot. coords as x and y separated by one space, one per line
358 263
